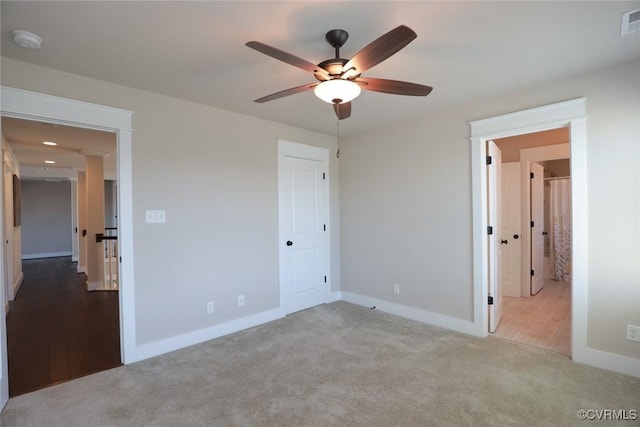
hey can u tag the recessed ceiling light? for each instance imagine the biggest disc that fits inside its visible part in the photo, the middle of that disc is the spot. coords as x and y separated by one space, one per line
49 143
49 162
26 39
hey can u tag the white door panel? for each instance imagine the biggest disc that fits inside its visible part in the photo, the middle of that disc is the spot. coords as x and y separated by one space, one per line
302 211
495 239
511 213
4 367
537 236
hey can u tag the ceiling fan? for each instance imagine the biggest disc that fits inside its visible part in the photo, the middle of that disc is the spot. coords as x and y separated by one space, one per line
339 80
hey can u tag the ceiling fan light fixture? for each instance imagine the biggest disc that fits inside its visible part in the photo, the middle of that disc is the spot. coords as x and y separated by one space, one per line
337 91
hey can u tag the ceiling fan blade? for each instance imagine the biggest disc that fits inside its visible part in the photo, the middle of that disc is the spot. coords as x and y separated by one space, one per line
288 58
394 87
287 92
343 111
381 48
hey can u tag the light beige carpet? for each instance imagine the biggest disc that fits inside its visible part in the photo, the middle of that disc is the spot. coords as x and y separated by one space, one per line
336 364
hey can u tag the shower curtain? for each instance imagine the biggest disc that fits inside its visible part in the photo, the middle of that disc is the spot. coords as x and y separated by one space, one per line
561 228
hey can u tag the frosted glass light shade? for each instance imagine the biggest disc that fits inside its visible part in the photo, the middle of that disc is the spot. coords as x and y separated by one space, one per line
337 91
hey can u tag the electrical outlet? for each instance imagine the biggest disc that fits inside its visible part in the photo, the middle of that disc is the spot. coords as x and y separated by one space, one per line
240 300
633 333
210 307
396 288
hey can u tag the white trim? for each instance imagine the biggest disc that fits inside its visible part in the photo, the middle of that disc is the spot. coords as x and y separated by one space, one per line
157 348
47 255
51 109
17 284
334 296
428 317
319 154
302 151
610 361
528 121
74 259
82 269
570 113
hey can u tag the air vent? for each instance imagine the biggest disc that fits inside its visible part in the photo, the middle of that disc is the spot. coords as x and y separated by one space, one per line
630 22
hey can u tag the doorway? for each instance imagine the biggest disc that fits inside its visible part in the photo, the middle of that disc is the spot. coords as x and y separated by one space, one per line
537 304
56 329
50 109
569 114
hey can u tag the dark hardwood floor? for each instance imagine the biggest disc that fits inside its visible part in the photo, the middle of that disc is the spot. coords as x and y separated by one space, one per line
56 330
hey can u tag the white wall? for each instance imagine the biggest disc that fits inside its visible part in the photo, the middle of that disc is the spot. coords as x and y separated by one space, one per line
16 236
406 205
215 174
46 219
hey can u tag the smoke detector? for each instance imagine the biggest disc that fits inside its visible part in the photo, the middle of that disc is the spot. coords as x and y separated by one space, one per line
630 22
26 39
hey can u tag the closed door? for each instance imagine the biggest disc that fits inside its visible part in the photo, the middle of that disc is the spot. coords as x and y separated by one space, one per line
537 228
302 234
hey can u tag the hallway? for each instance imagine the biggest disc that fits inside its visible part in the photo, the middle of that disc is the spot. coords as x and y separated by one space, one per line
542 320
56 330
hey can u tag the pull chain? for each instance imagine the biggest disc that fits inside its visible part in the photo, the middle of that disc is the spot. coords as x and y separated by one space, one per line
338 137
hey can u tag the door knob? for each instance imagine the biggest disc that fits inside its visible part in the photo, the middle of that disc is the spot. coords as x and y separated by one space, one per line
504 242
544 233
289 243
515 236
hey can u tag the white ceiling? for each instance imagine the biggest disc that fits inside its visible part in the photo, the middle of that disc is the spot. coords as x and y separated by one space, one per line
195 50
26 138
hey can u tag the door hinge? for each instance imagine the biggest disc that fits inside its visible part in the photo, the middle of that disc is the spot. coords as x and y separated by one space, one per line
532 224
532 273
325 279
531 175
120 258
324 227
490 300
489 230
324 176
489 160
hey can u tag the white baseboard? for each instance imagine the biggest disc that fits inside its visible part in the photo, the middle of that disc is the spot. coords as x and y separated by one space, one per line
157 348
74 259
16 285
334 296
46 255
99 286
82 269
609 361
436 319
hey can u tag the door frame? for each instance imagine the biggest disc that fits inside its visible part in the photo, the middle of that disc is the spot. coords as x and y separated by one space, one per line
306 152
570 114
40 107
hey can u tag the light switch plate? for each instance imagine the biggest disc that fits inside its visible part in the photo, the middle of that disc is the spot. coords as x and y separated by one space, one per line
157 216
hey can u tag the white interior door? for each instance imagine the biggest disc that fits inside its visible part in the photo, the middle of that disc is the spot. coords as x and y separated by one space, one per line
537 228
4 367
8 232
495 237
511 222
303 229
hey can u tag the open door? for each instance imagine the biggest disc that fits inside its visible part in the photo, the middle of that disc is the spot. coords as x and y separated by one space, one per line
537 228
4 365
494 162
511 225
